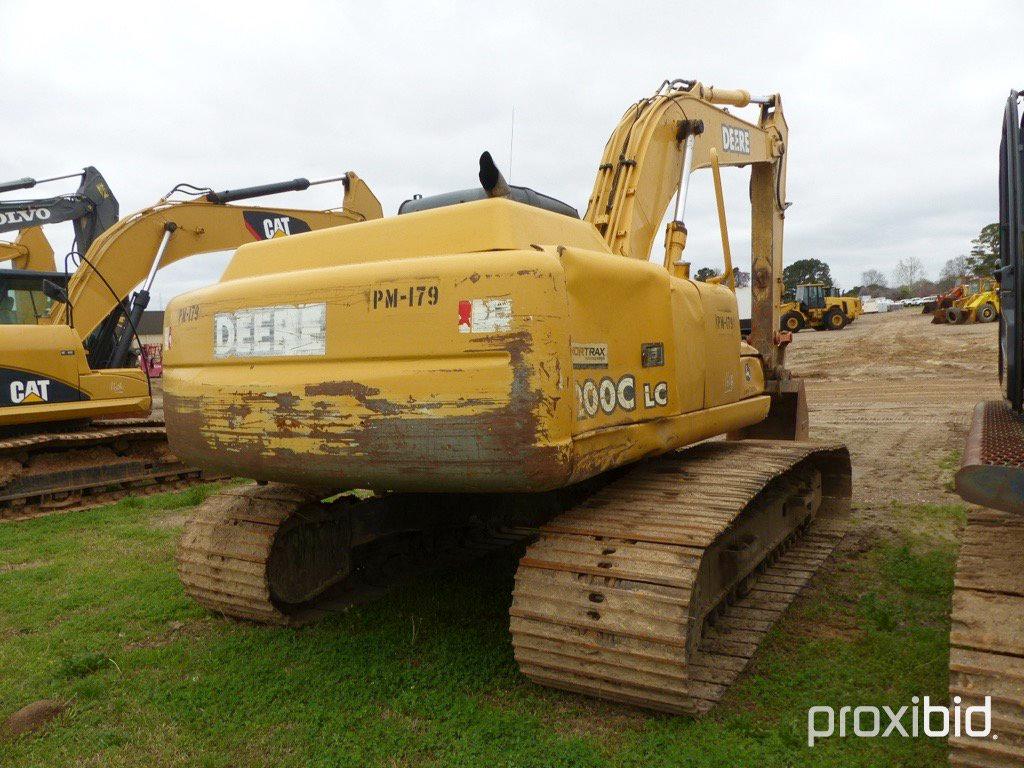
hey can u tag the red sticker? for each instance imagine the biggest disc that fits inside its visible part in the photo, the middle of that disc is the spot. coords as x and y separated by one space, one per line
465 315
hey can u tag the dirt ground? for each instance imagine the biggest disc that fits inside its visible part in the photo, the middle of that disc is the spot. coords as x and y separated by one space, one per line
900 393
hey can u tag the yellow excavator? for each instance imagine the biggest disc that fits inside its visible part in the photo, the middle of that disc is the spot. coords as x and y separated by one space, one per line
66 344
490 366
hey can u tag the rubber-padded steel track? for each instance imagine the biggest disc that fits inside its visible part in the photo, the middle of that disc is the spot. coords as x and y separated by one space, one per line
603 601
986 656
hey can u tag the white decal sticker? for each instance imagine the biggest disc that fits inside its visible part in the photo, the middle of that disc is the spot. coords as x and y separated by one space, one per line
485 315
607 395
657 397
736 140
589 355
589 398
281 331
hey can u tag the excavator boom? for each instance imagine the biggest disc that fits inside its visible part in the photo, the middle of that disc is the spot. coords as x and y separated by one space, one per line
648 160
72 363
92 208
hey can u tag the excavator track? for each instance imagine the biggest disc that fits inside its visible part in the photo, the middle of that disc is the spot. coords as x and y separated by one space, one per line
986 656
274 554
80 468
654 588
658 589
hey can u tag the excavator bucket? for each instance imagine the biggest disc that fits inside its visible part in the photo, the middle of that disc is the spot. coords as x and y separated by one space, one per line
787 416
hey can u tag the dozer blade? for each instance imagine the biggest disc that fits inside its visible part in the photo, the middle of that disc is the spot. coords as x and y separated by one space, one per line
658 589
992 473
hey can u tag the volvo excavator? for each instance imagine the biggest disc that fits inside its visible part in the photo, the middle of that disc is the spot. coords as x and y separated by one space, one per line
92 208
68 347
986 657
491 366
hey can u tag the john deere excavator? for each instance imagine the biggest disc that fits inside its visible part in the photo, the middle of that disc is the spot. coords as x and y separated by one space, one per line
986 655
66 347
92 208
490 365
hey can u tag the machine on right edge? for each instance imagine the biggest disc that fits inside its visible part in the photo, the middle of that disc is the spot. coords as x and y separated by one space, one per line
986 655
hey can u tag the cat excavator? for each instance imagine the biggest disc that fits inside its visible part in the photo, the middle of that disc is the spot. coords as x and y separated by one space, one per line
986 656
68 346
491 367
92 208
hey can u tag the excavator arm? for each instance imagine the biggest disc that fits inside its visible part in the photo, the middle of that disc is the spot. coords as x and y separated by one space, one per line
648 159
131 252
92 208
30 251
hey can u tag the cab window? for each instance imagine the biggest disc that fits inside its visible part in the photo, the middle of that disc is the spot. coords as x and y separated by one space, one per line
22 300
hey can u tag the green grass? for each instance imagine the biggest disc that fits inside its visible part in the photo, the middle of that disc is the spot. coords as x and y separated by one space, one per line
91 612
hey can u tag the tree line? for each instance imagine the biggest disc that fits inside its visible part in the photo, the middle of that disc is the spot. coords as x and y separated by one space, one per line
907 280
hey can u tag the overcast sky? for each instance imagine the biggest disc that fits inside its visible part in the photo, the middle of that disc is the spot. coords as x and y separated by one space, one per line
894 108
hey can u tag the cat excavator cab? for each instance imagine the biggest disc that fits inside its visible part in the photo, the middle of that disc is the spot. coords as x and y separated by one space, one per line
494 368
68 345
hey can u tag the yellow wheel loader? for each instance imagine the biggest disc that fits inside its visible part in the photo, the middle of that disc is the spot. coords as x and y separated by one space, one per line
979 303
812 308
495 368
66 344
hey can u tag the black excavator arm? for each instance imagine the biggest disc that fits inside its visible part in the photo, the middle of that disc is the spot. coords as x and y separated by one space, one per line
92 208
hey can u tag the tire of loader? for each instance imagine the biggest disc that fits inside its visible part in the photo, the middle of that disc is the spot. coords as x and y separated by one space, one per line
835 320
792 322
986 313
955 316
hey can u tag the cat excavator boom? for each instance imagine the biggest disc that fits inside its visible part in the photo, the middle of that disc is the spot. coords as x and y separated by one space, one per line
67 345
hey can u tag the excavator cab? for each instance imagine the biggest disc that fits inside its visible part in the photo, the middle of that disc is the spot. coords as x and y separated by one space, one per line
23 295
986 641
